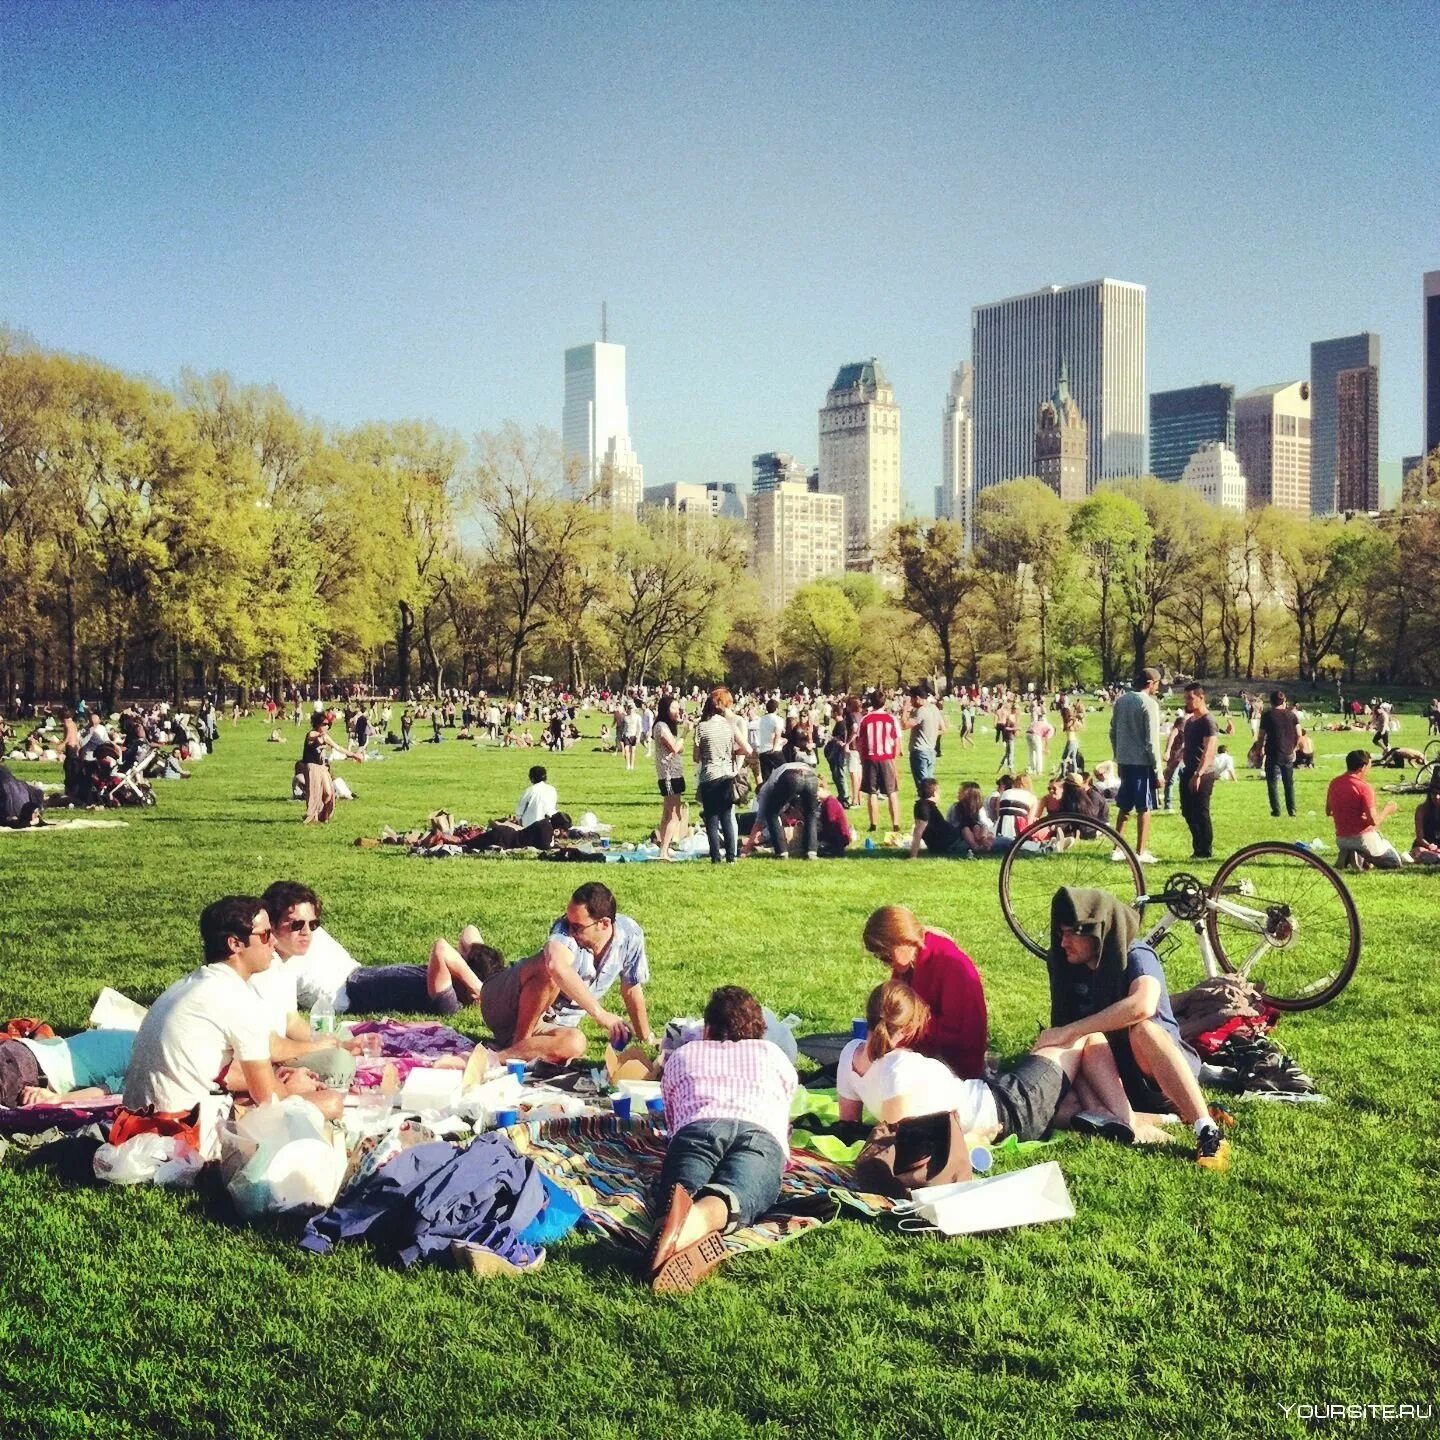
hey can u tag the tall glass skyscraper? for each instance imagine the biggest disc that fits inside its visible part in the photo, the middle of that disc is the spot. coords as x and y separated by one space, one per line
595 425
1017 347
1181 421
1327 359
1432 360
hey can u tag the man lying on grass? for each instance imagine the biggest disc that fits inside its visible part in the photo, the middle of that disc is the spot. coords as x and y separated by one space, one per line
1105 980
318 969
534 1007
210 1029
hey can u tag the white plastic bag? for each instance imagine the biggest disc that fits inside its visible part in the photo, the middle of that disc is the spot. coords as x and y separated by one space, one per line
163 1159
114 1011
1021 1197
779 1032
281 1156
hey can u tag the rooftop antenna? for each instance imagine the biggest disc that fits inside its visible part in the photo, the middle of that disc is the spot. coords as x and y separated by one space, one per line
604 326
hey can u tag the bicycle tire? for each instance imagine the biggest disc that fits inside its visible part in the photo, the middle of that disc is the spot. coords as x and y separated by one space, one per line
1093 830
1432 749
1326 987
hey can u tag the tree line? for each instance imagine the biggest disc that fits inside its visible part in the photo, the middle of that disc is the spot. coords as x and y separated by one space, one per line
169 539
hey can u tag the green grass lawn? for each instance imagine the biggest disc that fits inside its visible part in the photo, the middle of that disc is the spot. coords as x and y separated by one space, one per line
1175 1302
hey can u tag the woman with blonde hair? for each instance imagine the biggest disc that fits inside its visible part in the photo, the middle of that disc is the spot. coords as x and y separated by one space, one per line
943 977
887 1076
718 744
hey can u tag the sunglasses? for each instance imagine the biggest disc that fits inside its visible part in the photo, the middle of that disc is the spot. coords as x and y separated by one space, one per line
295 925
264 936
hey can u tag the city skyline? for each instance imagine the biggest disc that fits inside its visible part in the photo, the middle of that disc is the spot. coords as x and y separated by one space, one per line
394 216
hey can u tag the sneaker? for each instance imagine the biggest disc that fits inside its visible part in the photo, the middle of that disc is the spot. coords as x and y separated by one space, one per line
1222 1117
1146 858
1212 1150
1118 855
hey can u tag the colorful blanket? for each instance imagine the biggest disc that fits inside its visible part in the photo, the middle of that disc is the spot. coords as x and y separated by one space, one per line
612 1168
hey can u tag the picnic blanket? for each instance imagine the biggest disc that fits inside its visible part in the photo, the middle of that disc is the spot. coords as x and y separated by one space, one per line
51 826
613 1168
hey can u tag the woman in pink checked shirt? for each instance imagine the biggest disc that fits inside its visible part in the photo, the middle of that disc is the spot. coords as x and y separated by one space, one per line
727 1103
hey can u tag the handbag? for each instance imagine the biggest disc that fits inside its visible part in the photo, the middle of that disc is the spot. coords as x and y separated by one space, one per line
740 788
911 1154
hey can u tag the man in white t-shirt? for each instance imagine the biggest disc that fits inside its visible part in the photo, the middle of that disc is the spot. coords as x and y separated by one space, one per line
204 1023
538 801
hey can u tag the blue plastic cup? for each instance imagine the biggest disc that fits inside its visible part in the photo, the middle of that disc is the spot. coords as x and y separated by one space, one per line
620 1104
517 1069
859 1029
656 1107
981 1160
506 1118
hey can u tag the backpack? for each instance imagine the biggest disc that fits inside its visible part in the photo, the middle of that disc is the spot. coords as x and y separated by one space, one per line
906 1156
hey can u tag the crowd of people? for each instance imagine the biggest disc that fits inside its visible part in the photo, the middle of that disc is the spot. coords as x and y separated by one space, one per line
1111 1062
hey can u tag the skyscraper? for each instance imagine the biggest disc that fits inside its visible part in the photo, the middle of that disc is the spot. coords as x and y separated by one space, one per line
860 457
1432 360
798 535
1061 438
1272 443
1214 474
1181 421
769 469
1327 359
954 494
1017 347
1357 440
595 427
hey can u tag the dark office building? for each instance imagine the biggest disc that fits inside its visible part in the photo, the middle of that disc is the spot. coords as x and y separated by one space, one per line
1432 360
1327 359
1357 441
1181 421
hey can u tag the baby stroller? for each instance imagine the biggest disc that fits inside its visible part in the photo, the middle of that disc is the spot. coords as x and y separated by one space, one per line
104 780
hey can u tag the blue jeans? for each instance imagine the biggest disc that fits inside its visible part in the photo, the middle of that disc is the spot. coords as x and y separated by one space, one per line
738 1161
922 765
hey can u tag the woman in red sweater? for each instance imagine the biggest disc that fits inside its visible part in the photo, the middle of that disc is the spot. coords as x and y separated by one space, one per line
944 977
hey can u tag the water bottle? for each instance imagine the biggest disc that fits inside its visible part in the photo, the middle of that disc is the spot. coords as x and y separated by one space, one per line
322 1016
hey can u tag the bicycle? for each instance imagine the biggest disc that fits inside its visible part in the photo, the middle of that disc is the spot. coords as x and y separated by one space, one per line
1275 914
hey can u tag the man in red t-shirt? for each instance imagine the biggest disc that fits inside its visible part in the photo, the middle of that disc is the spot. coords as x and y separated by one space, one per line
878 743
1350 803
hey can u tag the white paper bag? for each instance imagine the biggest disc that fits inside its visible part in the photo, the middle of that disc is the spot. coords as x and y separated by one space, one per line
114 1011
1021 1197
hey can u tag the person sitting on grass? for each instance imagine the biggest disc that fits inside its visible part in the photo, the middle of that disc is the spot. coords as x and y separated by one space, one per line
887 1076
52 1071
931 829
323 971
727 1105
534 1007
969 816
1105 980
1350 803
539 800
944 977
209 1030
1426 849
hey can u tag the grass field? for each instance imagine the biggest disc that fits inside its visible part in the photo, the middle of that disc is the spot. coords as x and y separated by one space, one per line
1175 1302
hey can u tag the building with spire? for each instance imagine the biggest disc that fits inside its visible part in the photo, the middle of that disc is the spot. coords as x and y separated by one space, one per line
1062 440
595 427
860 457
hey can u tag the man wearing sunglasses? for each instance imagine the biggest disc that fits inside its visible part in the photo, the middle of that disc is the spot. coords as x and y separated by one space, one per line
204 1023
535 1007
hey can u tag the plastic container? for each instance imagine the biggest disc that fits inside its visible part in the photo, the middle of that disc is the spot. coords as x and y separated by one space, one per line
322 1016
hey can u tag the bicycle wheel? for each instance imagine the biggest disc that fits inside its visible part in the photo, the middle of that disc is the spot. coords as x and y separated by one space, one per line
1062 850
1285 922
1432 749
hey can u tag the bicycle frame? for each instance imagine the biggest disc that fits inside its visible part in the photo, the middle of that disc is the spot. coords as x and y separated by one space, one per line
1251 919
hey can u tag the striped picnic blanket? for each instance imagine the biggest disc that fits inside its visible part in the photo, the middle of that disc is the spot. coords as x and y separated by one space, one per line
612 1168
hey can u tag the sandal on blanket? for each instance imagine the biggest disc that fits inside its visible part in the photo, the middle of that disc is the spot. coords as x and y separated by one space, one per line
1107 1127
686 1268
496 1250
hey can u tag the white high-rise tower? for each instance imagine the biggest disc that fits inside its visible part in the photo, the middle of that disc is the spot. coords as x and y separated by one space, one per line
860 457
1017 347
953 495
596 425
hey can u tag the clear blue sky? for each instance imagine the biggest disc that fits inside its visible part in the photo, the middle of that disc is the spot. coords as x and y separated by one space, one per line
393 211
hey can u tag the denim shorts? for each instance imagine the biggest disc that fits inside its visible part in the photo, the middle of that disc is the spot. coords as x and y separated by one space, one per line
1137 789
738 1161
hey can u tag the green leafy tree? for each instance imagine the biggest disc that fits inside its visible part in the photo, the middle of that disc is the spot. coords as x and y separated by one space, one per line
821 627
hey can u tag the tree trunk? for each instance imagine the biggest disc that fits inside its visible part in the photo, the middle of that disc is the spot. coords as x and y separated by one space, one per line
403 638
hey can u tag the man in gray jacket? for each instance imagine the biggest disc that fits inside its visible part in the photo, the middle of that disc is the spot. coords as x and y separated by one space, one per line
1135 739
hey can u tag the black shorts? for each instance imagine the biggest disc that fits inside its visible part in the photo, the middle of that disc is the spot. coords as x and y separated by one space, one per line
879 777
18 1069
1027 1096
673 787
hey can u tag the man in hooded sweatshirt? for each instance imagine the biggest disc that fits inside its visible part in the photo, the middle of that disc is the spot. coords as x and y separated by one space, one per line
1104 979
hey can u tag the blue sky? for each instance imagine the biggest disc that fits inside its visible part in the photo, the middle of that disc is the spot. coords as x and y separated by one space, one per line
411 210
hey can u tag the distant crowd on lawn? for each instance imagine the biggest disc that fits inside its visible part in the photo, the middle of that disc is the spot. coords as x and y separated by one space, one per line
1111 1063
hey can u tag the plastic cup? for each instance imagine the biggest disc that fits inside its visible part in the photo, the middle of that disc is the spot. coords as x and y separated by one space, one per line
517 1069
370 1045
620 1104
506 1118
981 1160
656 1107
859 1029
